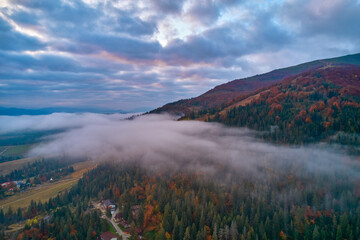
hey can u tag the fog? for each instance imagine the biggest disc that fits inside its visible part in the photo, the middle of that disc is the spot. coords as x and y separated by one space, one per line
53 121
157 141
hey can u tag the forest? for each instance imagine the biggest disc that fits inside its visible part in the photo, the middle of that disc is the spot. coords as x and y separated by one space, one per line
288 203
310 107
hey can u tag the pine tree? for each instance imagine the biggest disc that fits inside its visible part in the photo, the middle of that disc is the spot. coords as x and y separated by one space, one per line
167 219
339 233
214 235
187 235
233 230
316 234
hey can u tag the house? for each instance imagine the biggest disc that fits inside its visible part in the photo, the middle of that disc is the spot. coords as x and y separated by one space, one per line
123 223
7 184
109 204
19 184
119 218
13 184
108 236
137 230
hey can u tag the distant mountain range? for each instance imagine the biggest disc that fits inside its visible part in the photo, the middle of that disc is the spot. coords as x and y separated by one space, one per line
310 102
225 93
44 111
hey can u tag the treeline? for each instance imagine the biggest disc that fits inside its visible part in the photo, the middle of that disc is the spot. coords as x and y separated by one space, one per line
192 206
43 169
285 127
9 158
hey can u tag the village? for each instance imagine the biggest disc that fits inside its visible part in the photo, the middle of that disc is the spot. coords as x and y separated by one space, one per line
123 228
12 187
35 174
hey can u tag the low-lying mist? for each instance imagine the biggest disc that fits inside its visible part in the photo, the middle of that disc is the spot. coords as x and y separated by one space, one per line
9 124
159 141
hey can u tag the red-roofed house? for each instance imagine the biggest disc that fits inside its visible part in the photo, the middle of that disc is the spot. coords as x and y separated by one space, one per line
108 236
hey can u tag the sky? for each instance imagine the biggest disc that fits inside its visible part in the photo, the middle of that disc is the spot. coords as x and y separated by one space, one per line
137 55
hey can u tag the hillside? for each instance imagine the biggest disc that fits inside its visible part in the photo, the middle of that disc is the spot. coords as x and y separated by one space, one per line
224 93
306 107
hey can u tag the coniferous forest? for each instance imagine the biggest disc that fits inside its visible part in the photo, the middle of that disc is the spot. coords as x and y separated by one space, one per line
284 204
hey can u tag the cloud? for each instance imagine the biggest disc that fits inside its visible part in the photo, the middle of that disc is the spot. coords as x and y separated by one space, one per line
333 18
12 40
204 11
134 25
84 48
9 124
168 6
157 141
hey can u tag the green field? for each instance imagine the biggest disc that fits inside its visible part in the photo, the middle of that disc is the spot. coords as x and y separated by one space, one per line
3 148
16 150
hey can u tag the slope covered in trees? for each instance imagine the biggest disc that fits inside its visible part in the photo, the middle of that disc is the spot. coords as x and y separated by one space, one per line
288 204
307 107
224 93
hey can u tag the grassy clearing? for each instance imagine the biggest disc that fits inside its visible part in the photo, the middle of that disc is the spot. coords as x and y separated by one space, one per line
47 190
112 229
7 167
17 150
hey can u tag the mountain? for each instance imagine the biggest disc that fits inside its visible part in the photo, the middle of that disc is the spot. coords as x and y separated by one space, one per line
224 93
314 105
45 111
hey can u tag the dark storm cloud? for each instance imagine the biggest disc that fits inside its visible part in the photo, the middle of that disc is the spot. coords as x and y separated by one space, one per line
159 51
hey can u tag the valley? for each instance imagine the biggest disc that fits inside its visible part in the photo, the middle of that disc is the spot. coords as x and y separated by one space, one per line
278 158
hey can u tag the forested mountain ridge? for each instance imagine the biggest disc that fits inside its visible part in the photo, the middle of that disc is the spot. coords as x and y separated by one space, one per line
306 107
225 93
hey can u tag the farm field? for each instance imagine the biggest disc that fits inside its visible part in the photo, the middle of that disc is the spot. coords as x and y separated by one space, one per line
16 150
45 191
7 167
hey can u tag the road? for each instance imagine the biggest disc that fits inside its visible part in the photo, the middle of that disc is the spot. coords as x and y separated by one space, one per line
118 230
112 221
6 148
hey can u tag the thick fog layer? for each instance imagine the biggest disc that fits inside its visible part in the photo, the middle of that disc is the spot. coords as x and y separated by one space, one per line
160 141
55 121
